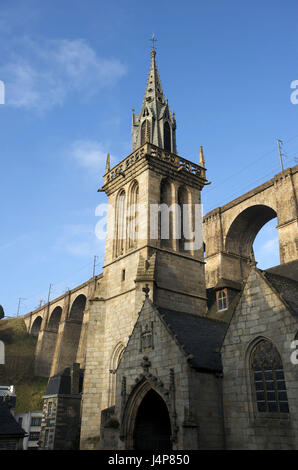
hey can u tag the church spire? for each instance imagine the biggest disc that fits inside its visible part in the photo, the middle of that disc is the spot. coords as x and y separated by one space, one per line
155 123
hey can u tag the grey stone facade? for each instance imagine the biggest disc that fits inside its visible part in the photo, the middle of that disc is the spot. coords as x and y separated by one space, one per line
262 312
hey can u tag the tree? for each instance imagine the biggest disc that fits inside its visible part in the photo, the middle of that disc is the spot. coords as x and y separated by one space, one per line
1 312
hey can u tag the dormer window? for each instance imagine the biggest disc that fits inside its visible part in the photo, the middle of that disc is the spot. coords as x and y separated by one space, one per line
222 299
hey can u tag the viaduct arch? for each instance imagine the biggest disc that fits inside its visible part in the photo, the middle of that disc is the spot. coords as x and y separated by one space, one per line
229 231
61 328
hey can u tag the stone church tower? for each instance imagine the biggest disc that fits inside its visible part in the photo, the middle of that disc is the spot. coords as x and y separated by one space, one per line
140 254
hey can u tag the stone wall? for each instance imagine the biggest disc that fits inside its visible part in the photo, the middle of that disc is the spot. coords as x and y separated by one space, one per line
192 398
260 314
62 423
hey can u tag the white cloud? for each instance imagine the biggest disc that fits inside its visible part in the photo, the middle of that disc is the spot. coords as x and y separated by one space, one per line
270 245
46 73
79 240
91 155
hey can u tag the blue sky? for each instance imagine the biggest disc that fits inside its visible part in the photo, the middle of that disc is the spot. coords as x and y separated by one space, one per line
73 71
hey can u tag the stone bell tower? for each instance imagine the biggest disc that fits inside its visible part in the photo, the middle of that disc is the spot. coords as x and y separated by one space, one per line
150 189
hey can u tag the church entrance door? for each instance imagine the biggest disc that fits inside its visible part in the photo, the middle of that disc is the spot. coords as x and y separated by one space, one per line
152 428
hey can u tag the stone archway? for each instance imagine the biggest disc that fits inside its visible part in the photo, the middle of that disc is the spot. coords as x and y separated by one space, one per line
245 227
144 398
55 318
36 326
230 230
152 429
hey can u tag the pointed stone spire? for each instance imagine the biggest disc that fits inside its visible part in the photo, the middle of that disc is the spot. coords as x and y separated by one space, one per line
108 163
154 89
155 123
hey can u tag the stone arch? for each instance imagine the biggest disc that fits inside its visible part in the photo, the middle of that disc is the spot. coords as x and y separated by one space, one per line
68 345
77 308
245 227
35 328
55 318
133 403
116 357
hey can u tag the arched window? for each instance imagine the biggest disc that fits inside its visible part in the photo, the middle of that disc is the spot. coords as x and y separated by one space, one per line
145 132
269 381
166 216
114 363
167 137
120 223
185 217
132 225
222 299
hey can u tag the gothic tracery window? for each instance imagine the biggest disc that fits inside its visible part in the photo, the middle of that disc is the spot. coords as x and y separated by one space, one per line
269 380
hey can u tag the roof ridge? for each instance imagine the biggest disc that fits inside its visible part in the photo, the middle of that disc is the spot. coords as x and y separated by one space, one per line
192 315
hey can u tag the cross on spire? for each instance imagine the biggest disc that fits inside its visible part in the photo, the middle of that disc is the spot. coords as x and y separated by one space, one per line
153 41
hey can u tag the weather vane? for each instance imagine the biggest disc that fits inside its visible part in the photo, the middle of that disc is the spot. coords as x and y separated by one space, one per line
153 41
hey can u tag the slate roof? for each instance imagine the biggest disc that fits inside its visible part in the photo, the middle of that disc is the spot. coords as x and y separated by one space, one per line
286 287
202 337
289 270
60 384
8 425
222 283
222 315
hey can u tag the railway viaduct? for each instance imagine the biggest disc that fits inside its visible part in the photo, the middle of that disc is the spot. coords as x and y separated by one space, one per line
61 329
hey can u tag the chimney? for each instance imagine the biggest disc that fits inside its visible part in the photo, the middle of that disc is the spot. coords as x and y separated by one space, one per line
75 378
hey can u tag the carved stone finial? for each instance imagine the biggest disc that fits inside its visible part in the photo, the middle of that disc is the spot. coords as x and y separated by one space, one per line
108 163
202 159
146 290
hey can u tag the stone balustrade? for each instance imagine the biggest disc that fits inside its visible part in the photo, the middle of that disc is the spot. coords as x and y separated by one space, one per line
156 152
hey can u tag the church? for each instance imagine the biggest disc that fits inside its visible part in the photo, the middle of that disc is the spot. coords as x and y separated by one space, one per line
185 343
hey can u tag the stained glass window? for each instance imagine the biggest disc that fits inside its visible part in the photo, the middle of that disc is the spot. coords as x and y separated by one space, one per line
269 380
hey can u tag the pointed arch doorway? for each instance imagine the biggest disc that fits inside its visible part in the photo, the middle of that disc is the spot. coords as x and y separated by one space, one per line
152 430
